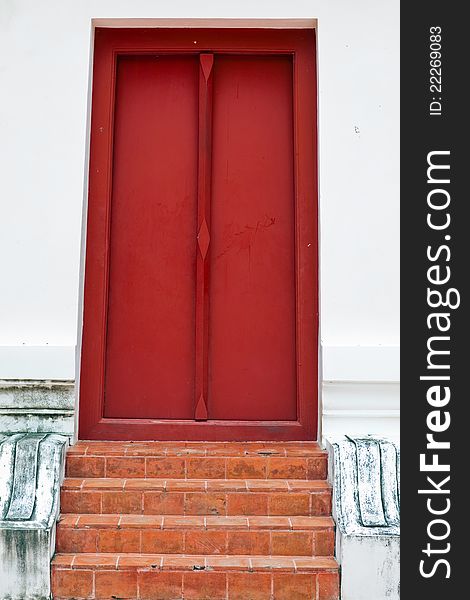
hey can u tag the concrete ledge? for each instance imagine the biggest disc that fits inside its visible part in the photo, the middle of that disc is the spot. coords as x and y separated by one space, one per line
31 471
37 406
360 390
364 472
359 408
361 363
37 362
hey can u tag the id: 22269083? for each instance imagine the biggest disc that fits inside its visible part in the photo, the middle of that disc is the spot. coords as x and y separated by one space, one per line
435 73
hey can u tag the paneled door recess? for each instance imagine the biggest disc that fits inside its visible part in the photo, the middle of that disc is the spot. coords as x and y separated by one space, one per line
200 308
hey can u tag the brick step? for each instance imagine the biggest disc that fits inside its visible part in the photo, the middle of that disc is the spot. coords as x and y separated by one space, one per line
295 536
185 520
110 448
165 577
196 497
199 460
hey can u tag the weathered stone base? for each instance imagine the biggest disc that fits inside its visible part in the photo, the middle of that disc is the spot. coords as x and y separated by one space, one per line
25 557
37 406
31 471
364 472
369 567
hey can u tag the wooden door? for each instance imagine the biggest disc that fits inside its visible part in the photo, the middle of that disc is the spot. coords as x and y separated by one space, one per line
200 304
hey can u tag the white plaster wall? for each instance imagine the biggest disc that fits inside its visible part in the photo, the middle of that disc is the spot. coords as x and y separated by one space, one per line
44 81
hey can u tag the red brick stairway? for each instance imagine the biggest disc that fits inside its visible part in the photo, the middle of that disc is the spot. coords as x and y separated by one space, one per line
215 521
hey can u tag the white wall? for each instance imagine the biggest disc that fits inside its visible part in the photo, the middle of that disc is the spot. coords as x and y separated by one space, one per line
44 81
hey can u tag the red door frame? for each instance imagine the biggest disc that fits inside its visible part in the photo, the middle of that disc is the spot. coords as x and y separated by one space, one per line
109 43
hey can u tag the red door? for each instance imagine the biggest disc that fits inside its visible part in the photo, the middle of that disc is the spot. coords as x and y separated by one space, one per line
200 311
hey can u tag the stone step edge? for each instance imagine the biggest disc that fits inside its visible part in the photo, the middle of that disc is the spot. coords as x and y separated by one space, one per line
178 562
211 467
168 452
194 522
196 485
201 449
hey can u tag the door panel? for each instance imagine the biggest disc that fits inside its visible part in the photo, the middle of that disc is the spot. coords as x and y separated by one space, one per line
150 325
252 292
200 301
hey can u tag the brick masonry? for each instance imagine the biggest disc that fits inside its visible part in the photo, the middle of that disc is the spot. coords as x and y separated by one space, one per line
195 521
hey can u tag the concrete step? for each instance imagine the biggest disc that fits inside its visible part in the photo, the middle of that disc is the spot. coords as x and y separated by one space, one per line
94 576
196 497
199 460
293 536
